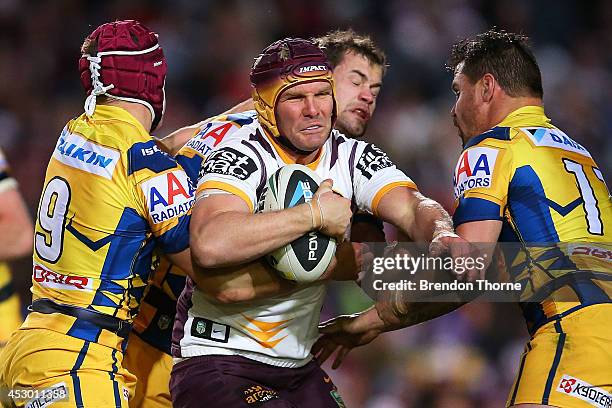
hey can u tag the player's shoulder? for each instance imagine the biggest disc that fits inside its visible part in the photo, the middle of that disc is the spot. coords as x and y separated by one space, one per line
221 130
145 159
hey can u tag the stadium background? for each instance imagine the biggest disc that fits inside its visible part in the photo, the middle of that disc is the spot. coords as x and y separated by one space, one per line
466 359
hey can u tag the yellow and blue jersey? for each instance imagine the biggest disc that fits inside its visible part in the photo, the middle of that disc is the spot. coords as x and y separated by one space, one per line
110 197
154 323
553 201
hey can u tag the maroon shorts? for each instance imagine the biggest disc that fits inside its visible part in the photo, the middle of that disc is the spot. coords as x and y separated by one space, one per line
234 381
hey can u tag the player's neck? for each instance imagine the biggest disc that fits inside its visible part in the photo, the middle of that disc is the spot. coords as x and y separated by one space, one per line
507 105
140 112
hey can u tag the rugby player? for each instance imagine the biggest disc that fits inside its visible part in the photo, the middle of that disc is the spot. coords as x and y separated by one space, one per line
238 354
16 241
110 197
358 68
542 190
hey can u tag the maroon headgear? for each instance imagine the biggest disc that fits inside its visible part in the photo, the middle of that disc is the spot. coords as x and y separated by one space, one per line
129 65
281 65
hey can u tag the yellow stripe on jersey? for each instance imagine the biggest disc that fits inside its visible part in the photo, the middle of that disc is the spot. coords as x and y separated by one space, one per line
110 197
218 185
384 190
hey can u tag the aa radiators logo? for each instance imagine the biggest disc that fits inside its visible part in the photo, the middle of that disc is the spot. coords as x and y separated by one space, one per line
577 388
168 195
474 170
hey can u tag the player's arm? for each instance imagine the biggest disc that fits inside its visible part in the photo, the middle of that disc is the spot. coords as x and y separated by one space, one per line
177 139
16 225
224 231
421 218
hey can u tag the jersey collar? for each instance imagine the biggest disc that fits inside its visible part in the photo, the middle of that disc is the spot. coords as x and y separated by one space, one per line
114 113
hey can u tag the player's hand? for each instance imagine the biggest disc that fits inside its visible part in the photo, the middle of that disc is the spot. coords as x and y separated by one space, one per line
341 335
331 210
460 250
350 259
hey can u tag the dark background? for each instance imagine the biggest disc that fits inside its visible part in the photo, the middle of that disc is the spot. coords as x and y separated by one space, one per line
466 359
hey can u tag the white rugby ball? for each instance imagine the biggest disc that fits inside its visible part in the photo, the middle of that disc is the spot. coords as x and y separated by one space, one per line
306 258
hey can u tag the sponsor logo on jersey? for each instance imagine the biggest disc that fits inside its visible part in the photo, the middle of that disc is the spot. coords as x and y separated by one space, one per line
474 170
554 138
372 160
168 195
53 280
575 387
229 162
209 137
78 152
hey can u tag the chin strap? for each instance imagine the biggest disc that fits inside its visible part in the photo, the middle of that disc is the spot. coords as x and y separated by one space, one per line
287 143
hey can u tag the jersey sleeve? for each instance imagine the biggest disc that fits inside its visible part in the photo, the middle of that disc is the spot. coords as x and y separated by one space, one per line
207 138
232 168
165 193
6 181
374 176
481 181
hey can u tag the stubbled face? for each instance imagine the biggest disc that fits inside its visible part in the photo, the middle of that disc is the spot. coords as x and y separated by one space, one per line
467 111
304 114
358 83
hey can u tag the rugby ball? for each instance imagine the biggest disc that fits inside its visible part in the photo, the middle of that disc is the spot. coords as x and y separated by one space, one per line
306 258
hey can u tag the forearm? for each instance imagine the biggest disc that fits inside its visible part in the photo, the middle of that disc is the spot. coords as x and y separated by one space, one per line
393 316
17 238
430 220
232 238
242 283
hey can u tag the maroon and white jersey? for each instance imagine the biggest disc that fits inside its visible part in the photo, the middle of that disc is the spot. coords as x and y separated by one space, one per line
280 330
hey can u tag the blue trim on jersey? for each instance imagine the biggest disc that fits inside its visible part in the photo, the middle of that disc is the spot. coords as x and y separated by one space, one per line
534 315
176 239
520 373
191 165
85 330
531 214
93 245
130 233
241 119
124 251
563 210
146 155
76 382
115 383
588 292
499 133
555 363
475 209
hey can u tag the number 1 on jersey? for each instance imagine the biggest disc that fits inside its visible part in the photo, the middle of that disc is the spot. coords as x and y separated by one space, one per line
52 219
593 215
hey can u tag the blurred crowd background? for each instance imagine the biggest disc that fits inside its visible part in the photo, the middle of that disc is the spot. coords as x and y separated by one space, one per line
466 359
